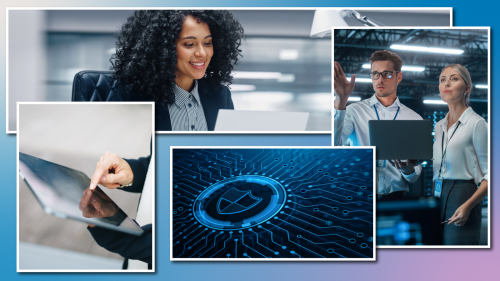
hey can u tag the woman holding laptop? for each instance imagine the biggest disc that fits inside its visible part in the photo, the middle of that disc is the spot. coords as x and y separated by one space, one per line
460 160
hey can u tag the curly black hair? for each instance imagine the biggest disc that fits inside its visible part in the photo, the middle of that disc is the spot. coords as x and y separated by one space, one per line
146 58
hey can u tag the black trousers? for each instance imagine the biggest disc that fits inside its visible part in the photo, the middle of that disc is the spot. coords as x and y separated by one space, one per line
455 193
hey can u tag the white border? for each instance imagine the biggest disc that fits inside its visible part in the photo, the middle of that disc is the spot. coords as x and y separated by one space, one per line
266 259
150 170
7 9
488 246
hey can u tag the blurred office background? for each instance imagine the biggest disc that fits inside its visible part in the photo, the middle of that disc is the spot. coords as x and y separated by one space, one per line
293 70
76 136
421 69
282 69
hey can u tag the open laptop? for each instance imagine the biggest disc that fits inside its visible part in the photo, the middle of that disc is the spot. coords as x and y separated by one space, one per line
401 139
59 190
247 120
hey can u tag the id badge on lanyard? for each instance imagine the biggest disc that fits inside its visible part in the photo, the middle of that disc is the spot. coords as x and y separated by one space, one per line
438 186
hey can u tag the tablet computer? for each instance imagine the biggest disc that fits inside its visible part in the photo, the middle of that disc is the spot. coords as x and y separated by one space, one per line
401 139
259 121
59 190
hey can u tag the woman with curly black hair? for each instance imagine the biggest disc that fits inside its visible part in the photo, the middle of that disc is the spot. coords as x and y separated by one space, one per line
182 60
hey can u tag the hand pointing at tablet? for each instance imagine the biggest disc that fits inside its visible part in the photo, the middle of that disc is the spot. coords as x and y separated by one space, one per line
112 172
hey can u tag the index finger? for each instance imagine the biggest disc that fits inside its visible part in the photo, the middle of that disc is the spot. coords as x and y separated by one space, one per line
101 169
341 71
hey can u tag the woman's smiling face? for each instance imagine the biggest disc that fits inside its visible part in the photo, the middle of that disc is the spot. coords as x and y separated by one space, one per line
452 86
194 51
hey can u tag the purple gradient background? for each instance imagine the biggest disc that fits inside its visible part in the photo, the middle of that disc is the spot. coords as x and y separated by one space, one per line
392 264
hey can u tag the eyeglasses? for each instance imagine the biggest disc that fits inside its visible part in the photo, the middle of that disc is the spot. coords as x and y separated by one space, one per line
386 74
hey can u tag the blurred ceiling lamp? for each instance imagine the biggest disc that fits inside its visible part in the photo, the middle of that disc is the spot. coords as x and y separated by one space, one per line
265 97
256 75
350 98
481 86
241 87
427 49
434 102
405 67
361 80
325 19
289 54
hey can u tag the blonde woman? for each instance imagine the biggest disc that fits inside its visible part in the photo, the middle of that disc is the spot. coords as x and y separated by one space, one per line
460 160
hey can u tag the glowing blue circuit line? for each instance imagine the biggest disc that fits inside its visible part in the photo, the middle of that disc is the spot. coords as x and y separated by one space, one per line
345 219
243 243
197 163
181 203
261 161
251 160
182 231
189 241
230 169
215 240
294 242
319 226
189 187
183 196
220 172
181 222
295 253
337 244
307 179
230 235
272 236
206 244
181 213
369 180
328 192
186 191
310 198
180 161
350 183
310 216
361 211
216 155
257 235
192 182
345 189
198 174
313 232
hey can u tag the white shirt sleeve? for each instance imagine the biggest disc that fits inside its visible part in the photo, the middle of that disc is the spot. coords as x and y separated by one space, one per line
342 126
480 142
414 176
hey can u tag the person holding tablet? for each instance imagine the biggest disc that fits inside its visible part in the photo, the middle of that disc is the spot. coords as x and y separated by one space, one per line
460 160
180 59
132 175
351 122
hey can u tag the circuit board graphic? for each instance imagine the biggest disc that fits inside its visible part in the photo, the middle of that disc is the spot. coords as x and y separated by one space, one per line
282 203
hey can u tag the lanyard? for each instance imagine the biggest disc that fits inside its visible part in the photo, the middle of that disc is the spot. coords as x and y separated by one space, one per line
442 143
394 116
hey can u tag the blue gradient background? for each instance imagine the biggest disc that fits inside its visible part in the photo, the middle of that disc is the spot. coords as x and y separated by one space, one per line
392 264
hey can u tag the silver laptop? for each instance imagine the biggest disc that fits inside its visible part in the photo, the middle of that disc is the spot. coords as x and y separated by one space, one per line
274 121
59 190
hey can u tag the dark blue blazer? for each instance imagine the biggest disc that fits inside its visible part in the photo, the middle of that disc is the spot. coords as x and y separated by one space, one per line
213 98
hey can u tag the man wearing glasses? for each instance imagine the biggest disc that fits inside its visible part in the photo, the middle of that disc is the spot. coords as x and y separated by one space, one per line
351 122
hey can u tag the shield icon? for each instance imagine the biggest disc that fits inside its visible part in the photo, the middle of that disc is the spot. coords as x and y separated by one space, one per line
235 201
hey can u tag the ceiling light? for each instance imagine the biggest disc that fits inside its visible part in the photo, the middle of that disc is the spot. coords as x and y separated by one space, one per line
481 86
289 54
405 67
256 75
427 49
434 102
241 87
361 80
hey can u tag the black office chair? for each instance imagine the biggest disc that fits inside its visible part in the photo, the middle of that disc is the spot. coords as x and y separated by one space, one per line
93 85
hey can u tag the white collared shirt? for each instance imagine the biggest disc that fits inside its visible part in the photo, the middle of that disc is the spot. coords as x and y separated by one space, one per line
467 153
352 124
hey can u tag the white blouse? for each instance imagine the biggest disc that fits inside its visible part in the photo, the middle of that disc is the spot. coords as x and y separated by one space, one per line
467 153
